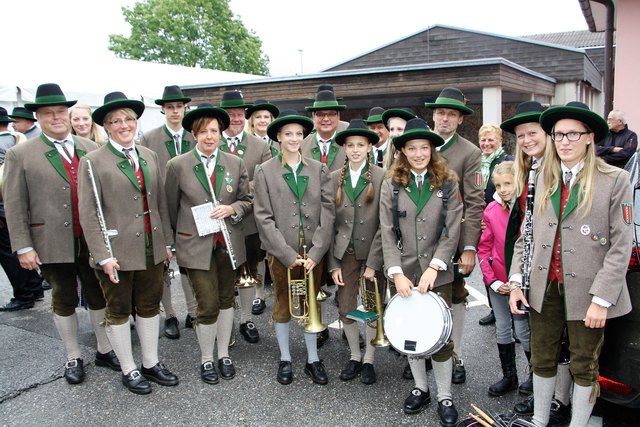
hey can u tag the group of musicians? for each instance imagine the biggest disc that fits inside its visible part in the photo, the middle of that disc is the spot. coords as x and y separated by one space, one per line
383 199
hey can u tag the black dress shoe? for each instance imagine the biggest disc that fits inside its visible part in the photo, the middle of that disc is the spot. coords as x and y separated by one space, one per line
225 366
368 374
38 296
351 370
188 322
322 337
285 372
136 383
459 374
109 360
417 400
45 285
249 332
160 374
74 371
15 305
317 373
208 373
406 372
258 306
525 407
560 414
489 319
171 330
448 413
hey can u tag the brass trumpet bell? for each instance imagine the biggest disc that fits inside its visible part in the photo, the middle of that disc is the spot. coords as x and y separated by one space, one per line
245 279
372 301
302 305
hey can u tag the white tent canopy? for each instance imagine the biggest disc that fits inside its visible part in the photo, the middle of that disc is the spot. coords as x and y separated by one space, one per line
88 83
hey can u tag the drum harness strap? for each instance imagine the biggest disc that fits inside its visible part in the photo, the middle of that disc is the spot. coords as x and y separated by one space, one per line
442 226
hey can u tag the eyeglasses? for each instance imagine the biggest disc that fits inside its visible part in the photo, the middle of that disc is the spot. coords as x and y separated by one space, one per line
571 136
120 122
329 114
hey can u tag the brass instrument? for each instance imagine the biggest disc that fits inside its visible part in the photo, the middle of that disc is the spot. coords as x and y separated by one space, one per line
372 302
302 303
245 279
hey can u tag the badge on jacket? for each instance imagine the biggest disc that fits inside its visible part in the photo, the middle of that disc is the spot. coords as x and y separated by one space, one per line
627 213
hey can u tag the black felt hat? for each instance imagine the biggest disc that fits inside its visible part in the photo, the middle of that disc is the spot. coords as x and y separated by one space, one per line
417 129
22 113
287 117
375 115
325 86
4 118
116 101
526 112
325 100
205 110
233 99
172 94
451 97
577 111
262 104
403 113
48 95
357 127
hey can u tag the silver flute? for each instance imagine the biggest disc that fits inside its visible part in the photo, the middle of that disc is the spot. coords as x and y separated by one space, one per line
106 233
223 228
527 237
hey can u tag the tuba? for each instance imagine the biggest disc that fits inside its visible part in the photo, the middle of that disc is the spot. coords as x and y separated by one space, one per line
245 279
303 304
372 302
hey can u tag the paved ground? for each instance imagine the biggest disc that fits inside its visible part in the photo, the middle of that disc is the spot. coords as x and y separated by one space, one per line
33 392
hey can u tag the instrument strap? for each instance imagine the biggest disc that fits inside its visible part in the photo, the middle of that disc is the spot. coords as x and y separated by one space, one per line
397 214
446 192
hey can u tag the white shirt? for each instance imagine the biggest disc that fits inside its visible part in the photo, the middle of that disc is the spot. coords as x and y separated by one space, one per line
355 174
212 163
133 153
68 144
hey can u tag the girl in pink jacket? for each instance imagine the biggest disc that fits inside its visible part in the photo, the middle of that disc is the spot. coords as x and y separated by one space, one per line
492 262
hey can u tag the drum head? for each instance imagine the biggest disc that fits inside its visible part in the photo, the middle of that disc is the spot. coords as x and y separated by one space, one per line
418 325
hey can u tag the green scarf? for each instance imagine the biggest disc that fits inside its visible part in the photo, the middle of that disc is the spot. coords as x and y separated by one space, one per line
486 165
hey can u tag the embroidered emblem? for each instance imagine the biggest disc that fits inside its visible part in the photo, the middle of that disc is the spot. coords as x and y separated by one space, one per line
478 183
229 189
585 230
627 213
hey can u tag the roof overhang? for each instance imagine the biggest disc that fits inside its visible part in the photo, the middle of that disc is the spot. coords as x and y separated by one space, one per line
595 14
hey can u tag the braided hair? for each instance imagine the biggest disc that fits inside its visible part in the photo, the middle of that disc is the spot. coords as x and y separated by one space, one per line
343 174
370 191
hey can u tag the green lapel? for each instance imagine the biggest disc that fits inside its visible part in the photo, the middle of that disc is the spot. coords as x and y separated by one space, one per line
201 173
185 143
315 150
420 199
125 166
333 151
298 188
145 172
449 143
241 149
572 201
53 156
171 148
351 192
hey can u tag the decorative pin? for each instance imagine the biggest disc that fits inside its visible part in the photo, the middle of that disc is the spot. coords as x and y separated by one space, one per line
585 230
603 241
627 212
229 189
240 152
594 237
439 193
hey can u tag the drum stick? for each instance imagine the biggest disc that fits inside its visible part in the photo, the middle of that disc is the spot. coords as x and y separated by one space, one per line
482 414
479 420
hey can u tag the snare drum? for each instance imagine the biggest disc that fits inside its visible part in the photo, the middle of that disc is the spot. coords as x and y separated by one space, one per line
418 325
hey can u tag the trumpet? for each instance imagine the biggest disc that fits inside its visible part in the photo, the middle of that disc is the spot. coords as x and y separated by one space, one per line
245 279
372 302
303 304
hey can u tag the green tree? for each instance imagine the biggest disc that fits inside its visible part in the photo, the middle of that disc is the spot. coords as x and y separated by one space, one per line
193 33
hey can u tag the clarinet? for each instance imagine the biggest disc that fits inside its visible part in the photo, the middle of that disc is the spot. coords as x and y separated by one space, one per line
223 228
527 237
106 233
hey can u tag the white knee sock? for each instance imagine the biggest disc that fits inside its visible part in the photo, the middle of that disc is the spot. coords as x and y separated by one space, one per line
582 406
282 335
352 331
225 326
419 372
102 342
543 394
206 338
442 373
369 350
120 339
564 381
260 279
459 314
311 342
189 297
246 302
148 328
67 327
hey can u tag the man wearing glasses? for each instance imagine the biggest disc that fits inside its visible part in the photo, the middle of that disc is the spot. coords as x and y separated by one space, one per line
621 143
